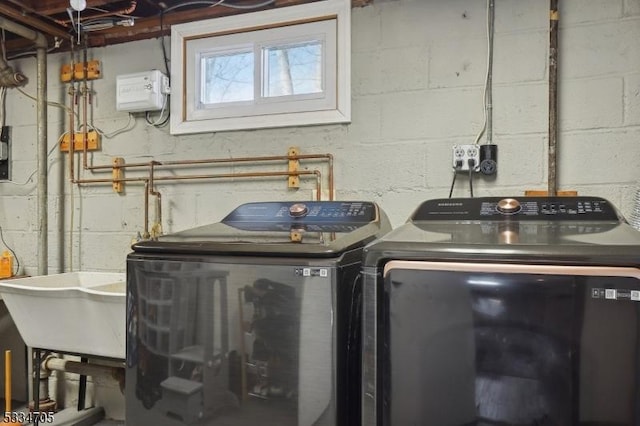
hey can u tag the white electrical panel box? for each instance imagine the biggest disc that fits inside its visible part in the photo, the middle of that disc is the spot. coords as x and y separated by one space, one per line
142 91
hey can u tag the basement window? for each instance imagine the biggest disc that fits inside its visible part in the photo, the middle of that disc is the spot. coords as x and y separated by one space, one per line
282 67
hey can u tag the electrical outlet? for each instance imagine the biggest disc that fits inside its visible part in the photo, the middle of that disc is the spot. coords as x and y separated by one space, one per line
463 155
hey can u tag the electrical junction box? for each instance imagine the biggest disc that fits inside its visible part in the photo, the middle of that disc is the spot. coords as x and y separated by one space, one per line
143 91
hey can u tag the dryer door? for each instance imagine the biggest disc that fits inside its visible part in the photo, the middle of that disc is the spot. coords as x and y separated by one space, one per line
487 344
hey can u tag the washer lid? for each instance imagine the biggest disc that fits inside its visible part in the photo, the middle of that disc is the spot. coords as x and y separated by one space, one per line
298 229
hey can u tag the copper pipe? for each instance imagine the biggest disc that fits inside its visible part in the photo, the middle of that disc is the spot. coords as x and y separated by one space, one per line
219 160
331 185
328 157
145 234
156 193
85 104
72 133
147 191
127 11
217 176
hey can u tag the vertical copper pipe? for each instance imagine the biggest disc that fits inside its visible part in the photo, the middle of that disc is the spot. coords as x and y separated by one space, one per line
7 381
85 104
157 194
145 234
72 132
553 97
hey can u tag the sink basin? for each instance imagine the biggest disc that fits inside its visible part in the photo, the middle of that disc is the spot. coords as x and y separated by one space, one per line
74 312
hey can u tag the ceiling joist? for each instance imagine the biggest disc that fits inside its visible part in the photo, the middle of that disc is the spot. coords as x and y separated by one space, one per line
51 18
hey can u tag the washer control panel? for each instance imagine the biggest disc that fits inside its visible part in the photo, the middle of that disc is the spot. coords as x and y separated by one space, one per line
517 208
320 216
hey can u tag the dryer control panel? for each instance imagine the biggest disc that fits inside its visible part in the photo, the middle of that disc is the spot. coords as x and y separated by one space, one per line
320 216
517 208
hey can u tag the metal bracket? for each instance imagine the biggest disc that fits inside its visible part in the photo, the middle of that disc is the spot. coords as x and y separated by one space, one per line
117 174
294 180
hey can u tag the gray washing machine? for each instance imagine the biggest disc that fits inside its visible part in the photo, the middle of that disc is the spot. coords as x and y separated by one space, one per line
251 321
491 311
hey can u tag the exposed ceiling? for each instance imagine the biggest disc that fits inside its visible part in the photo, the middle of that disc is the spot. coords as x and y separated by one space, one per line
108 22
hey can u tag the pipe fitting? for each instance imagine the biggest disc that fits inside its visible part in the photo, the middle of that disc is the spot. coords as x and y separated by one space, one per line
10 78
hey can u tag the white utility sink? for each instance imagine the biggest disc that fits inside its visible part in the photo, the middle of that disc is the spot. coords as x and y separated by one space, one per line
74 312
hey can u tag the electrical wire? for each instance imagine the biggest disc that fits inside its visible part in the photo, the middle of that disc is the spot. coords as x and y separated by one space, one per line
114 133
471 181
488 73
160 121
26 182
248 6
55 104
212 3
453 182
12 252
157 123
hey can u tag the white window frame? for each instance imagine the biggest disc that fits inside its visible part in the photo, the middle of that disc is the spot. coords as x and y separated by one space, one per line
189 40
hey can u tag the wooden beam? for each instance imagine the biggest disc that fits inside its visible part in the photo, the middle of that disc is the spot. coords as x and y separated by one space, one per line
146 28
150 27
36 23
360 3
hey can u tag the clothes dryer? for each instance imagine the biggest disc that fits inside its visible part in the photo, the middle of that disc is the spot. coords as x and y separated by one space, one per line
496 311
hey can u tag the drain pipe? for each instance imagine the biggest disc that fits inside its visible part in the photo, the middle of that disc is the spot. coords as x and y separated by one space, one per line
41 56
53 363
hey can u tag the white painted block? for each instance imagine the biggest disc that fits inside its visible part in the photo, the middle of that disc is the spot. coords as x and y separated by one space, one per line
590 104
632 99
600 49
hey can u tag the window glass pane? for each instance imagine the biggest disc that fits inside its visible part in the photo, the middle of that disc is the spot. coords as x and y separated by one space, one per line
227 77
293 69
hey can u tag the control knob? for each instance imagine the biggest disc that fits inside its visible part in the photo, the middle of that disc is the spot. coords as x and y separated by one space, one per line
298 210
508 206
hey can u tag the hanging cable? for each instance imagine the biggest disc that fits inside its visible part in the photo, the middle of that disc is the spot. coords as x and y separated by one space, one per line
127 127
161 121
471 182
453 182
219 2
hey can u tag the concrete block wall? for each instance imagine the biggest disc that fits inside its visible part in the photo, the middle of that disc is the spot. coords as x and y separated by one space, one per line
418 69
418 75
